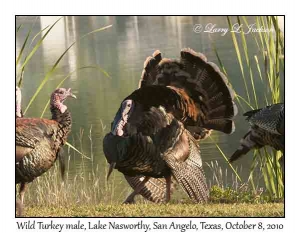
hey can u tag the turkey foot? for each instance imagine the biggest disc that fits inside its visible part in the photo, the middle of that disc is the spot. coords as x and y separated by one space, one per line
130 198
19 203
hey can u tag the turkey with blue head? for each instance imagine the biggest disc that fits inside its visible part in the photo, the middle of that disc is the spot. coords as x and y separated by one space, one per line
155 133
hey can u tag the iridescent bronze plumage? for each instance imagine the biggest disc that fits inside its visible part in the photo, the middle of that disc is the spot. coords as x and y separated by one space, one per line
177 104
39 141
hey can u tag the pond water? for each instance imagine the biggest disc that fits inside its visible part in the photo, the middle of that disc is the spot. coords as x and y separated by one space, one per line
121 51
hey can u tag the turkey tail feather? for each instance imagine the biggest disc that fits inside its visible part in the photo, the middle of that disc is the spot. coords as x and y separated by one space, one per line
189 172
202 81
192 179
212 91
154 190
150 69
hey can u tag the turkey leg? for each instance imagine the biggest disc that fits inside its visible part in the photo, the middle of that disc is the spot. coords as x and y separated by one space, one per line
22 192
19 207
168 189
130 198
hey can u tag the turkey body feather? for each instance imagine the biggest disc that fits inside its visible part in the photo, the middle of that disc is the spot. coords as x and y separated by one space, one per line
270 118
154 190
170 151
38 142
266 128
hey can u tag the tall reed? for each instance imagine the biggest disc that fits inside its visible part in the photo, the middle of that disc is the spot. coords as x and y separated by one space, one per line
268 63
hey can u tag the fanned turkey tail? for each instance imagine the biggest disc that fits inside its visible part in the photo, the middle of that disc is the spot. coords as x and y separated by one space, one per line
209 87
204 83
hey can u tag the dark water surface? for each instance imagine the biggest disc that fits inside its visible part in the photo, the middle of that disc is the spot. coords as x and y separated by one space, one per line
121 51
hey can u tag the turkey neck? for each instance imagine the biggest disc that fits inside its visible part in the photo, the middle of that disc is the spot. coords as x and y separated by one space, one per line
64 120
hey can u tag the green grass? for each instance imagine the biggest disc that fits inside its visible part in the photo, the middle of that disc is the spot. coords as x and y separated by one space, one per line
162 210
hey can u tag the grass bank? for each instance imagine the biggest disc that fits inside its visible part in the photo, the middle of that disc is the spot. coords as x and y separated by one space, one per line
163 210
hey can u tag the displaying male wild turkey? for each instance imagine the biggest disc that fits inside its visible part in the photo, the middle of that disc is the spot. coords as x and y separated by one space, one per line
39 141
267 128
155 130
